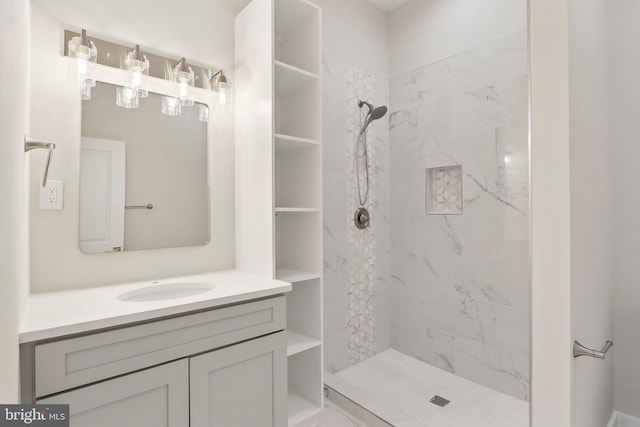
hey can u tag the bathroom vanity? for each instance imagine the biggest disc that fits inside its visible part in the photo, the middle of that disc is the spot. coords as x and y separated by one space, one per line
149 355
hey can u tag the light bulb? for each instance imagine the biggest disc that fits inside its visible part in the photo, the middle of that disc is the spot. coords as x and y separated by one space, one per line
221 86
184 89
85 54
82 68
127 97
183 75
222 99
171 106
138 65
85 90
203 116
137 78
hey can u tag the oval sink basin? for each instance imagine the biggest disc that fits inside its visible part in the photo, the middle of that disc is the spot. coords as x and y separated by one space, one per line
165 292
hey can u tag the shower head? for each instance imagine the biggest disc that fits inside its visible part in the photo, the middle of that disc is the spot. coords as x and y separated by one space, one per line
377 113
373 114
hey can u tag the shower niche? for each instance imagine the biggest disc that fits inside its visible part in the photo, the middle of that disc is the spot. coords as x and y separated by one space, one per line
279 176
444 190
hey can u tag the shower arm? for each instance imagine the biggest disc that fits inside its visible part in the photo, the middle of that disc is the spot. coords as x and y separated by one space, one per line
32 144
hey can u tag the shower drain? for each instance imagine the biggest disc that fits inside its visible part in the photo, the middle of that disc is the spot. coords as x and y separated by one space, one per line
438 400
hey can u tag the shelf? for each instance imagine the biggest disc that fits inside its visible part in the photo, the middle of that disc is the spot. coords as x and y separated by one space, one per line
298 172
280 209
297 33
291 79
300 409
294 276
299 241
298 342
288 143
295 70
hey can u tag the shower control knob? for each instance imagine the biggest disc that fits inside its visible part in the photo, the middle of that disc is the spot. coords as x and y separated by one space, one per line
361 218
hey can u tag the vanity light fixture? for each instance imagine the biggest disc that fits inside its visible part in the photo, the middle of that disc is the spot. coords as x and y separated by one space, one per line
203 115
220 84
171 106
86 55
183 74
127 97
138 66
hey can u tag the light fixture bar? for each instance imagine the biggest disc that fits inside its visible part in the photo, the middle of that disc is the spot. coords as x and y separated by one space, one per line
110 54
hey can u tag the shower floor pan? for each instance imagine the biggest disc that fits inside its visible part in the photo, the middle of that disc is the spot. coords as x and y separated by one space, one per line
398 389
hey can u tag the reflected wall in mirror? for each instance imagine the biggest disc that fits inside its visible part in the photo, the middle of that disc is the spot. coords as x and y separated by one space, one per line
143 176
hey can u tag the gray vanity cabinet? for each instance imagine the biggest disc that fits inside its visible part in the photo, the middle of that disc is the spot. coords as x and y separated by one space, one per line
151 398
241 385
224 367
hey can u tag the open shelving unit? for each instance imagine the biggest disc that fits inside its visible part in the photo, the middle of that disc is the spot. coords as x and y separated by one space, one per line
279 176
298 197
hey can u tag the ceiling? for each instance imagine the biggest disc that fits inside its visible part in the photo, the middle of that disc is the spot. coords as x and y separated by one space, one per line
388 5
201 31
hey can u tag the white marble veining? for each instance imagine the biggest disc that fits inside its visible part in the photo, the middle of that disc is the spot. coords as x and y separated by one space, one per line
357 312
451 290
460 283
55 314
406 385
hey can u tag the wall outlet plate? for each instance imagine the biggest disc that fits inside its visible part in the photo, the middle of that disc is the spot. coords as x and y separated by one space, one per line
52 195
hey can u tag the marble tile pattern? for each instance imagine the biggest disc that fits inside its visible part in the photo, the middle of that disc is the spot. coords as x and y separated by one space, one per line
460 284
357 311
361 263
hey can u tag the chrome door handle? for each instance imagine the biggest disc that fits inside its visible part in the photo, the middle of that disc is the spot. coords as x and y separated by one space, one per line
580 350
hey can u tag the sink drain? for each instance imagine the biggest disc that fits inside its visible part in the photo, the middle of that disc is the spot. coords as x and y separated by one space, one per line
438 400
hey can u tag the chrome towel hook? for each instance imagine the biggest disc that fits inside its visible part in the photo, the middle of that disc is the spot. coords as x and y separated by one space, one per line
580 350
32 144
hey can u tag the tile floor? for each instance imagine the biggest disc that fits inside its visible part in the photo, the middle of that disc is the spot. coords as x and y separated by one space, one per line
332 416
404 385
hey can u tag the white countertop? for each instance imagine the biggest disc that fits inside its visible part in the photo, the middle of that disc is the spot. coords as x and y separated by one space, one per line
55 314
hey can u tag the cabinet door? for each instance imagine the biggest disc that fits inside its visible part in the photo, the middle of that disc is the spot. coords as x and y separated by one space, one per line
244 385
156 397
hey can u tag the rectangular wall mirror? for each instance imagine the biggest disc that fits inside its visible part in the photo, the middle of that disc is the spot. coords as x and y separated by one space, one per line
143 175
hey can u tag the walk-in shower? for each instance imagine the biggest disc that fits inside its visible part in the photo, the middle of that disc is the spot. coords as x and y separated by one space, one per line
428 303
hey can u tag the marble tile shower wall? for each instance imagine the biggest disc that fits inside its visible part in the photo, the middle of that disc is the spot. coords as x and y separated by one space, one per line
459 284
357 310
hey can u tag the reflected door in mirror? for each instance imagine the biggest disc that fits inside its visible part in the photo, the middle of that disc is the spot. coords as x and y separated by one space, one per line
102 188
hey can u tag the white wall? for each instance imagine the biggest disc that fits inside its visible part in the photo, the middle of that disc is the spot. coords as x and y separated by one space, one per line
14 213
426 31
591 222
356 32
624 68
550 214
56 260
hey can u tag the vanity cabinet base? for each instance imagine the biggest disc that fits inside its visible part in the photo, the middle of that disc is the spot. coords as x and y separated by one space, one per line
228 368
154 397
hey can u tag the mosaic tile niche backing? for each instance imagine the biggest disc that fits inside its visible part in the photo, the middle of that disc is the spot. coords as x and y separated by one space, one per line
444 190
361 262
